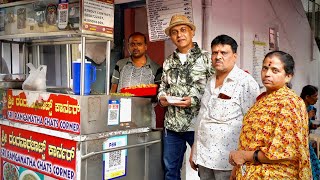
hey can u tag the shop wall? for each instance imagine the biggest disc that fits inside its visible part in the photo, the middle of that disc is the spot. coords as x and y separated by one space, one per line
136 21
246 19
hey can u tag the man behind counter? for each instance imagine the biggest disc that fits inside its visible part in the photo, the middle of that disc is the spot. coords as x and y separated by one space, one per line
136 69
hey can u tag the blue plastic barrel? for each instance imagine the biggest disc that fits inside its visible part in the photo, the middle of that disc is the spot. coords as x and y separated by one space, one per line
89 77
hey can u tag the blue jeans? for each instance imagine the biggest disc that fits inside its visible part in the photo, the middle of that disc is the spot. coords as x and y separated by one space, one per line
174 147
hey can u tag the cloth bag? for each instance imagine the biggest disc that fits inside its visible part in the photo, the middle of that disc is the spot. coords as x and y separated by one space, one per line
36 81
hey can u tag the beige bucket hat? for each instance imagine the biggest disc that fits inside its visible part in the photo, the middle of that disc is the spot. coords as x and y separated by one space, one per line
179 19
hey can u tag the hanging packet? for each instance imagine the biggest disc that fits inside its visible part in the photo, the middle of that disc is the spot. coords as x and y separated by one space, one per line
36 81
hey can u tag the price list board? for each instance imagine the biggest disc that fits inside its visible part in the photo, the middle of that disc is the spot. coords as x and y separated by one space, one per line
159 13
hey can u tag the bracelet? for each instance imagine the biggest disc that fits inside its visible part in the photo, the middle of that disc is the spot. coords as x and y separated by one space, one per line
255 156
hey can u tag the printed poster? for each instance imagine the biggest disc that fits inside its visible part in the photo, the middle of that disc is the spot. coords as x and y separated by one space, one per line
113 112
98 17
115 162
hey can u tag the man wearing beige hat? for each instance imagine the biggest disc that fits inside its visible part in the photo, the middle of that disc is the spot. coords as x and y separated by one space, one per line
185 73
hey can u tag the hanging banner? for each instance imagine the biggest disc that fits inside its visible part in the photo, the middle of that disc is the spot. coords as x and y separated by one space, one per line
98 17
54 111
159 14
30 155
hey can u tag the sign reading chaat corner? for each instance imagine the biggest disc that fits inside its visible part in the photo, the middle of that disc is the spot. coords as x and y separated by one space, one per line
54 111
37 156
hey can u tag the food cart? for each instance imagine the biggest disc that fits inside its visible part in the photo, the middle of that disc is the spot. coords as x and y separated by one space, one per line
45 135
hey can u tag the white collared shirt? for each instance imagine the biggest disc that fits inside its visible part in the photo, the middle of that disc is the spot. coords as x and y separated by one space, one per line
220 119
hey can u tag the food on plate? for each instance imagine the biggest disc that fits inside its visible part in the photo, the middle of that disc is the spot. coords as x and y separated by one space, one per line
29 177
121 94
141 90
10 172
142 86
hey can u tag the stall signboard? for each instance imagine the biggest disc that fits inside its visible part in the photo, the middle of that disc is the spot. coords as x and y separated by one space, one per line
30 155
54 111
98 17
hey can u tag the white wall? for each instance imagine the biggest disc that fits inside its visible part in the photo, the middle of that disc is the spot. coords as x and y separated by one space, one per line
243 19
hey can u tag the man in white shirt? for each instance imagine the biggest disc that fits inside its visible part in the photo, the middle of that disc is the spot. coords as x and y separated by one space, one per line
228 95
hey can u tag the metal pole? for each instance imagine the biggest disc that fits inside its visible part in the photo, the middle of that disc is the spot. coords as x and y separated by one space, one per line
1 47
120 148
83 56
24 60
108 59
78 160
11 60
86 161
38 56
146 162
68 54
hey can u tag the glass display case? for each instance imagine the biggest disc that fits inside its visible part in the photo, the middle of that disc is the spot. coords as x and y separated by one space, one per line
63 135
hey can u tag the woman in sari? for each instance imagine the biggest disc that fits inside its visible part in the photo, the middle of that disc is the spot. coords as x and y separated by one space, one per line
309 94
273 142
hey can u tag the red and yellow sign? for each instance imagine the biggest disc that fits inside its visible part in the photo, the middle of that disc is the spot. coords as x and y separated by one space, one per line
54 111
41 154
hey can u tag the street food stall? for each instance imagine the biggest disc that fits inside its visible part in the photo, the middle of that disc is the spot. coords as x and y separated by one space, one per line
65 134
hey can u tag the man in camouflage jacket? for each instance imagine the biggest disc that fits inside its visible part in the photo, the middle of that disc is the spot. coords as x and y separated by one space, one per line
185 73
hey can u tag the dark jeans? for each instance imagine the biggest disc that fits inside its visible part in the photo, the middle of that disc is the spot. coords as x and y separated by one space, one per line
174 144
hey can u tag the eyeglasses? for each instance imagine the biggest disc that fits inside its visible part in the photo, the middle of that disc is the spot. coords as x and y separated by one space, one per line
135 44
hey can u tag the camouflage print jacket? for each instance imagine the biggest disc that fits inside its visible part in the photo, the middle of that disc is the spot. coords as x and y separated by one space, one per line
188 79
